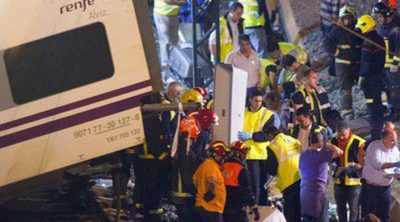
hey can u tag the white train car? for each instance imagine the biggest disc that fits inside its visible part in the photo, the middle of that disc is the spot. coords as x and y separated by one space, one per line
71 73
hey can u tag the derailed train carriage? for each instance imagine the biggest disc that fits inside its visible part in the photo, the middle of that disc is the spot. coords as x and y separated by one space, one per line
72 73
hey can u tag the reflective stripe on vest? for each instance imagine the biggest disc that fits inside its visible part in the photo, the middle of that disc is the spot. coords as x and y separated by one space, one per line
264 77
231 171
287 151
294 50
388 59
254 122
306 95
250 8
350 181
163 8
146 155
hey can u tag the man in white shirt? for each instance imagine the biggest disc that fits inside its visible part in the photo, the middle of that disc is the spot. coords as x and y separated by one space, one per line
246 58
376 193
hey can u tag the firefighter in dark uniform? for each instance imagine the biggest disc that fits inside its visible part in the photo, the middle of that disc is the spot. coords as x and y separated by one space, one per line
239 195
347 50
151 163
388 22
347 173
371 73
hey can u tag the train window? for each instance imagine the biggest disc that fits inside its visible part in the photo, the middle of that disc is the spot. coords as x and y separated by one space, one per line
58 63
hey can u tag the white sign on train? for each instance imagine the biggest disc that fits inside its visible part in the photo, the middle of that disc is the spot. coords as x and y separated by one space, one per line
71 74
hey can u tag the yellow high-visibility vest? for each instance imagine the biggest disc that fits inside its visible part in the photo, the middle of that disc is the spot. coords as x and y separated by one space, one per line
163 8
264 78
254 122
250 14
287 151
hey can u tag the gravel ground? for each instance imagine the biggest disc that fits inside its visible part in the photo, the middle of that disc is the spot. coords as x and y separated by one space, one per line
313 44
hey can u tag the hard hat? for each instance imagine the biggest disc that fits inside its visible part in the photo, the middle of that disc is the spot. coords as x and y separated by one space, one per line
346 10
201 90
192 95
382 8
206 118
366 23
190 126
240 146
218 147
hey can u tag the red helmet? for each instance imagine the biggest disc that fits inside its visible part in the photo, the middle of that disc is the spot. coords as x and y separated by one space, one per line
190 125
201 90
240 146
206 118
219 147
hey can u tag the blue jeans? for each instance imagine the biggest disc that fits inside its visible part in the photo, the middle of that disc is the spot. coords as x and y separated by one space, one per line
347 195
375 200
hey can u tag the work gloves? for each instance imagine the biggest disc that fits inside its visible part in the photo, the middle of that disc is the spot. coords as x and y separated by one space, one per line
244 136
209 196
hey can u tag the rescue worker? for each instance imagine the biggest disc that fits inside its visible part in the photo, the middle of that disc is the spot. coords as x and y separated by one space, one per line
307 96
256 119
371 73
347 173
388 22
256 24
209 183
237 182
184 163
231 27
275 51
290 79
346 48
167 24
305 127
151 163
283 162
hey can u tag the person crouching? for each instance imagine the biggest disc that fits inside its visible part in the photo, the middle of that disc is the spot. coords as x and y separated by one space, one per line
239 195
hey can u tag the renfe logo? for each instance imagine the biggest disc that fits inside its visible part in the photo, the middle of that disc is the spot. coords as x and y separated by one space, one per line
76 5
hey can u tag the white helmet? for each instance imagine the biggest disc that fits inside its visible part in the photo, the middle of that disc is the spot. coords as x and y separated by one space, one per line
346 10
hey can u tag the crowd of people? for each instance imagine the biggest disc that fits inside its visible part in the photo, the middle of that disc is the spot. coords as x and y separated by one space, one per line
291 133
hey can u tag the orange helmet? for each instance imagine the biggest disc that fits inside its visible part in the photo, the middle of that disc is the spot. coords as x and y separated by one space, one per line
239 146
192 95
190 126
218 147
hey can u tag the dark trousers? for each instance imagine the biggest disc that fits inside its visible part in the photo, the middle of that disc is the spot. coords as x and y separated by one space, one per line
186 211
345 79
347 195
372 93
375 200
393 89
254 171
206 216
235 214
150 177
291 203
